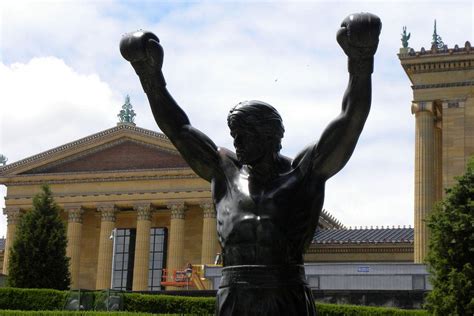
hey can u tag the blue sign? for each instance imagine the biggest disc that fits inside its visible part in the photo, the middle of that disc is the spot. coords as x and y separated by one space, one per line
363 269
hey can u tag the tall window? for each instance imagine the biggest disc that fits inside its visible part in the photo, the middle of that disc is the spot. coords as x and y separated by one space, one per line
123 258
158 243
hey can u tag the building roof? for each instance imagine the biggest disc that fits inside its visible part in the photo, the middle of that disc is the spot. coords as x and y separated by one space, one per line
438 49
328 221
122 147
364 235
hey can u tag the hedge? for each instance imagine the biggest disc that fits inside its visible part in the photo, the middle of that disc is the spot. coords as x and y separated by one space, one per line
69 313
203 306
32 299
353 310
168 304
49 301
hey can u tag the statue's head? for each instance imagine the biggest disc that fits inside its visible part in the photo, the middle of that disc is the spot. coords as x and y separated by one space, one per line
257 129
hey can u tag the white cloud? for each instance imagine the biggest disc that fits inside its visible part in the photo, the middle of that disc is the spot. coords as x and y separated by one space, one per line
45 103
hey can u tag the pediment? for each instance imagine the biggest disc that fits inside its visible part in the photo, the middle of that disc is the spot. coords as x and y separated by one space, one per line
124 147
123 154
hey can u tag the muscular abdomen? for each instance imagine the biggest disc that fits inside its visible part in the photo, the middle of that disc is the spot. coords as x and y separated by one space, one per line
252 239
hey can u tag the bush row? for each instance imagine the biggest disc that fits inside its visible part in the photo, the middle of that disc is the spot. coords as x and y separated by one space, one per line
69 313
168 304
32 299
141 304
353 310
45 299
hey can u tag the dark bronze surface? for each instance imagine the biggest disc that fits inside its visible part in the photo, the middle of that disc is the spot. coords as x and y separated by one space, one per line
268 205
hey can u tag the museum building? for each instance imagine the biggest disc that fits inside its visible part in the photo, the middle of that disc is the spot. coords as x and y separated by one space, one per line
133 207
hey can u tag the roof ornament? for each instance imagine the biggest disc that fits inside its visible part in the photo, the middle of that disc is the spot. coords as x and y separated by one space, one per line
405 37
3 160
127 114
437 42
467 46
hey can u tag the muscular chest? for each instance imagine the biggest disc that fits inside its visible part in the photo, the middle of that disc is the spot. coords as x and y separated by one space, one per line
253 211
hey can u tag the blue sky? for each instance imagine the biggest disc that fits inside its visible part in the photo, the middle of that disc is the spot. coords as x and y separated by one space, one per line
63 78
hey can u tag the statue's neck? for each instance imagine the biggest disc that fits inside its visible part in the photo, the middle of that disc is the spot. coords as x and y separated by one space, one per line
265 169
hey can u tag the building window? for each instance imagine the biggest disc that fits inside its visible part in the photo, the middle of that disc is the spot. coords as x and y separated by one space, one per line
123 258
158 241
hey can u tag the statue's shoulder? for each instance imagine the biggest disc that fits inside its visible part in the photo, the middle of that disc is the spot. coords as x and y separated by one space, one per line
229 166
304 158
227 155
228 160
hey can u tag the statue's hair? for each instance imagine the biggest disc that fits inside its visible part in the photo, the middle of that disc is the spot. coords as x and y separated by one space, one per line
260 116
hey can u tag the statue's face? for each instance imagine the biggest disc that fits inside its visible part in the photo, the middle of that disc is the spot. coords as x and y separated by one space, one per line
249 145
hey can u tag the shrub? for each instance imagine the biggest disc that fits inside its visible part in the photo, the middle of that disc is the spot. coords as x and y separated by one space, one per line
168 304
42 300
69 313
38 255
352 310
31 299
452 249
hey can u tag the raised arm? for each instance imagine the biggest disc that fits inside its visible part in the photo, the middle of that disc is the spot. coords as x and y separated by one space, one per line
358 37
143 50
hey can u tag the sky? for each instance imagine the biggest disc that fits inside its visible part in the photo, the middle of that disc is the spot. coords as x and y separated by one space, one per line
62 78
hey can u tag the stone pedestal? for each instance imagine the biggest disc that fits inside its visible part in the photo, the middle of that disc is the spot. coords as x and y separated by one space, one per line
142 248
73 251
13 217
104 261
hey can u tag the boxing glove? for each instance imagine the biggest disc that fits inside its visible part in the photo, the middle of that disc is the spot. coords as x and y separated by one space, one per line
143 50
359 38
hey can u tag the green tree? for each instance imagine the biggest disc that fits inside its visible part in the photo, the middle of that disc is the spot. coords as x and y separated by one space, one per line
38 255
451 250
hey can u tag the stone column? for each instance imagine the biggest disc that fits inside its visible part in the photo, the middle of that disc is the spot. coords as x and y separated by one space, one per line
13 218
438 160
176 240
209 237
209 234
74 234
104 261
142 248
424 175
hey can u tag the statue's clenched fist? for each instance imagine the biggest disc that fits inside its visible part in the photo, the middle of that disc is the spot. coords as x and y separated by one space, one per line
143 50
359 37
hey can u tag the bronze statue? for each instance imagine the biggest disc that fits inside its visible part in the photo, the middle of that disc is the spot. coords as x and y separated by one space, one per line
405 37
268 205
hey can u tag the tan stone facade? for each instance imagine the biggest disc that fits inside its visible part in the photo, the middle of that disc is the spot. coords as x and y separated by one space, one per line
364 252
124 177
443 105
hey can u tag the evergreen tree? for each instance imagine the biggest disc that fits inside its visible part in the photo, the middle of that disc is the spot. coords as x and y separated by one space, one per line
451 251
38 255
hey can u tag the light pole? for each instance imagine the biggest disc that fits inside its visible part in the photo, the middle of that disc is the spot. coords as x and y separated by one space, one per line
112 237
